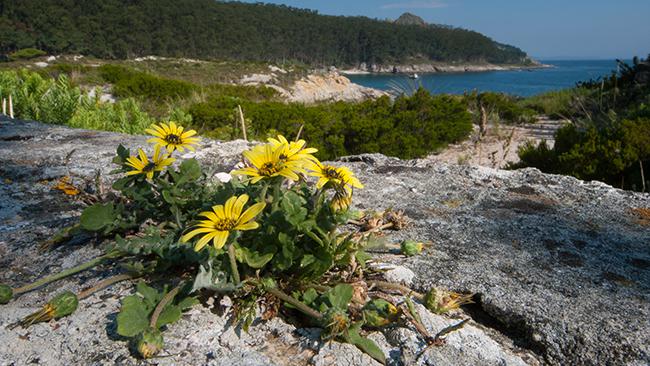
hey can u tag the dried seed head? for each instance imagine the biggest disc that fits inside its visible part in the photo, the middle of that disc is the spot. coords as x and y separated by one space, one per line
359 293
372 222
397 218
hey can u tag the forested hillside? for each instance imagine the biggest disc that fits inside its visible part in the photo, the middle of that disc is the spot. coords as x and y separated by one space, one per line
236 31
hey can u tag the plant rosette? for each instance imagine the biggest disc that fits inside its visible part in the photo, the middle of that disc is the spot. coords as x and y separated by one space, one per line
270 233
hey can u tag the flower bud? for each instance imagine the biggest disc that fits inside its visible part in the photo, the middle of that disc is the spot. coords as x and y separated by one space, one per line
6 293
61 305
336 321
379 313
441 301
149 343
64 304
410 248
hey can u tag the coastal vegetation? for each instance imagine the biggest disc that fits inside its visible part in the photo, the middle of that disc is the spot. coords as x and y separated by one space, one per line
407 127
608 138
207 29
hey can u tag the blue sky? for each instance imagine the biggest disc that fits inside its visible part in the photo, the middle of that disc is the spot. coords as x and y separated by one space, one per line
571 29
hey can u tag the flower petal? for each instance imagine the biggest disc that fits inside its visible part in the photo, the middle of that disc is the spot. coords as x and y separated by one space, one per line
247 226
220 239
238 206
185 238
204 240
251 212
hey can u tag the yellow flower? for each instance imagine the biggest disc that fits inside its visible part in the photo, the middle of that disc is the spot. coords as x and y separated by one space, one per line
341 200
341 177
222 220
142 165
172 137
294 150
265 162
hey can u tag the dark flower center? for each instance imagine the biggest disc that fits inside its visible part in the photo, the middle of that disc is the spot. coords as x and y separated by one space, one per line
268 169
331 173
149 167
225 224
173 139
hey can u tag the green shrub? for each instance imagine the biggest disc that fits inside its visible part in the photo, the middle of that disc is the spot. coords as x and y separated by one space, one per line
123 116
610 137
506 108
131 83
26 54
556 104
409 127
42 99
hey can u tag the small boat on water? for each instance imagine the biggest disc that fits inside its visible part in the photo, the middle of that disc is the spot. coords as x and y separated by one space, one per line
414 76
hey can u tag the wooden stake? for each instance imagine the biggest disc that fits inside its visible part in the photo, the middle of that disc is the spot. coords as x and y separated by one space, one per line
642 176
11 107
243 122
299 132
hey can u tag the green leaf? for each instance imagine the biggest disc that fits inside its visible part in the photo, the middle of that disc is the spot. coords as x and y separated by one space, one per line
293 207
412 309
151 297
254 259
307 260
123 153
209 279
168 197
133 317
188 302
98 216
340 296
366 345
309 296
190 170
170 314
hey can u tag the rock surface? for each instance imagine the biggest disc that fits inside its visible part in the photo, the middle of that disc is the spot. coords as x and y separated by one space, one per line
329 87
560 267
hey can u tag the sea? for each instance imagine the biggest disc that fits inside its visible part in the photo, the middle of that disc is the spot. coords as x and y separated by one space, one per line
563 74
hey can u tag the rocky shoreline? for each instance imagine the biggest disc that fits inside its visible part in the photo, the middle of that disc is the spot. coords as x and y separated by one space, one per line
431 68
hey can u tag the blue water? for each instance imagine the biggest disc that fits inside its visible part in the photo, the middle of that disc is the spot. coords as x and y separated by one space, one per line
563 75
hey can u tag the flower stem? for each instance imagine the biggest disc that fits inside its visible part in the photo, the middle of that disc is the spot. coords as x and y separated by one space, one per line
233 264
104 284
265 189
295 302
276 196
64 274
163 302
397 287
61 236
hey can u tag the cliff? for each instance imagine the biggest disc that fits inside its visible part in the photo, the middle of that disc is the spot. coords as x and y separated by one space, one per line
561 267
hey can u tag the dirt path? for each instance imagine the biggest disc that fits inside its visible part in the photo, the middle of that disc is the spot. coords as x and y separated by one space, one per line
500 145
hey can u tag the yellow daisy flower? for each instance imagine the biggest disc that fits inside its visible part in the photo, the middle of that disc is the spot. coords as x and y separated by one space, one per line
172 137
341 176
265 162
142 165
222 220
294 150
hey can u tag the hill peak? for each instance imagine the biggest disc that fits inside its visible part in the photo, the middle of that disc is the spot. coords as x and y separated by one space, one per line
410 19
